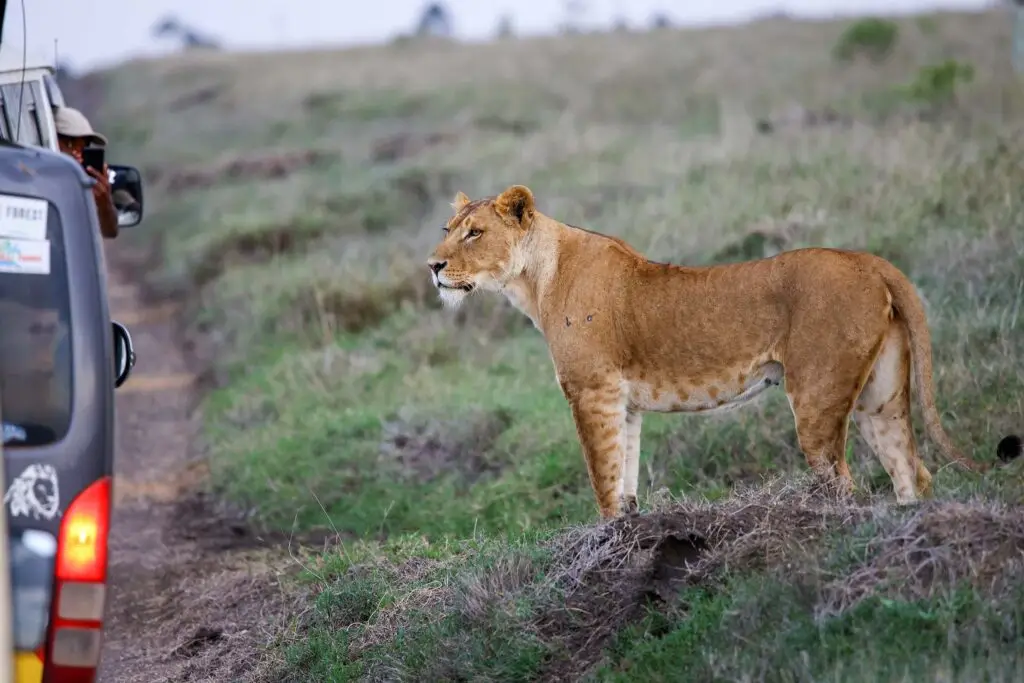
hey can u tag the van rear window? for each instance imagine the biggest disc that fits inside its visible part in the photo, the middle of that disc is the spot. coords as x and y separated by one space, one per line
35 344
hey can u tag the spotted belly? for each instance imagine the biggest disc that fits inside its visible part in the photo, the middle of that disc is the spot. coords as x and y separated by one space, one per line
728 391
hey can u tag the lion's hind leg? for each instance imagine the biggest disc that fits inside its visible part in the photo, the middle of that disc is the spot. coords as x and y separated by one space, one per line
821 391
882 414
631 462
821 431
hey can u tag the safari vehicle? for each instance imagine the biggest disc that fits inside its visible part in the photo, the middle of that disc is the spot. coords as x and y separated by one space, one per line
61 358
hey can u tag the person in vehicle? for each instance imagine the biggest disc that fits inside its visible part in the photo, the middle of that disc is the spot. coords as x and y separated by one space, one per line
74 133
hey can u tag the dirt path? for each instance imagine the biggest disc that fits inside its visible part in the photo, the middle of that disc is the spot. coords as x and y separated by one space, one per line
192 595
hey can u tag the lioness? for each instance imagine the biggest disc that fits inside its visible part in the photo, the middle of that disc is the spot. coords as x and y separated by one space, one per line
628 335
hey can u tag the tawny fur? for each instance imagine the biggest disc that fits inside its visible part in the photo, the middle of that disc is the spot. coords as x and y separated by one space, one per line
626 335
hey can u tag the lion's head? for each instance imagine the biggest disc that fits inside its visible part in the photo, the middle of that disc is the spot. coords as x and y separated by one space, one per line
481 242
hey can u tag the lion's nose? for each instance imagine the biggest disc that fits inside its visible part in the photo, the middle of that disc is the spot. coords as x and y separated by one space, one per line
437 266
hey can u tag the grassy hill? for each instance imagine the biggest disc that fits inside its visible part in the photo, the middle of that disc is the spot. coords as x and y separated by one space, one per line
295 197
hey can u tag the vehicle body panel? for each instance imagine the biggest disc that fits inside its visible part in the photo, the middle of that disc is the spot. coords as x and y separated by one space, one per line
84 454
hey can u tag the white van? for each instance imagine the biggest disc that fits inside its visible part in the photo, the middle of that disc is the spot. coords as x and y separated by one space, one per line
28 95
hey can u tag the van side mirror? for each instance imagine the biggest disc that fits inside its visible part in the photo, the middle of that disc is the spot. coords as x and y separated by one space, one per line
124 354
126 191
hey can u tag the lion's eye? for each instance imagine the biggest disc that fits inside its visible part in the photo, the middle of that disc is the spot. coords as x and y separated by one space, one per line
473 232
445 229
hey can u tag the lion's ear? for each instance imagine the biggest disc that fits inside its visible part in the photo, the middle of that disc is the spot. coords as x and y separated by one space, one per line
516 204
460 201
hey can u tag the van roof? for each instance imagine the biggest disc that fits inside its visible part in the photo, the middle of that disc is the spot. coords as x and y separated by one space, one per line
13 59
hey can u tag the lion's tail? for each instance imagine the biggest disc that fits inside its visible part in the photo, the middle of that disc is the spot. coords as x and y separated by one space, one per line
909 307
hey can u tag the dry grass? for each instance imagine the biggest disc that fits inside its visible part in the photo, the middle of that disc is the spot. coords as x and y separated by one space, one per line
979 544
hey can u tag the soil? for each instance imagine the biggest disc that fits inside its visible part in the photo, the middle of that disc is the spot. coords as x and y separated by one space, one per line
195 594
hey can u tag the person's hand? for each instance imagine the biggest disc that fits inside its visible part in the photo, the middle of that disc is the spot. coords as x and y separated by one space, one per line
101 190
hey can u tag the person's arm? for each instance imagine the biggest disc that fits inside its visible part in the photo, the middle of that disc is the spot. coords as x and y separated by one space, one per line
108 218
105 209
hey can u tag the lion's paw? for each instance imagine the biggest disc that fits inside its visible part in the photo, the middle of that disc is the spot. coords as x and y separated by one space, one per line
629 506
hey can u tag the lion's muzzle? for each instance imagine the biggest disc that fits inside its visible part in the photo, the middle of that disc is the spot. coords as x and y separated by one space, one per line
437 266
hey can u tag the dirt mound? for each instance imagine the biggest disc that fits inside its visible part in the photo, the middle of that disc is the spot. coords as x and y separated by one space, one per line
240 249
427 451
609 573
772 236
264 166
405 145
797 117
213 525
206 94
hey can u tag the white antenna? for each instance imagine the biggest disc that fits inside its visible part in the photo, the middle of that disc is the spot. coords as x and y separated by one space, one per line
24 68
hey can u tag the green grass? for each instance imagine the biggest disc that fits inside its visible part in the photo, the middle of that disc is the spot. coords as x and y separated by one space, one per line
350 401
755 626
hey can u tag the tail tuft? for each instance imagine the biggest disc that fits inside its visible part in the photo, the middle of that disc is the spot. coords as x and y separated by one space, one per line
1010 448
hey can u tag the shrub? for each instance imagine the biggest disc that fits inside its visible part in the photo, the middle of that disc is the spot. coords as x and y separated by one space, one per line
872 37
937 83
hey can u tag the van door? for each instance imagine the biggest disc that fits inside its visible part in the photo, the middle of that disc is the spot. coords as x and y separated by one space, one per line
36 376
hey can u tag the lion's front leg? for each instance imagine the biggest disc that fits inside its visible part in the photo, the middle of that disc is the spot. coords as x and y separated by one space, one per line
600 416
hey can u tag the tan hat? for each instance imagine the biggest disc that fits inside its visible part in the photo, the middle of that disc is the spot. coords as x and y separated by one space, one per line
73 124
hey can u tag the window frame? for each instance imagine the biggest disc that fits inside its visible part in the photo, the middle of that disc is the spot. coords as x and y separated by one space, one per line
20 133
37 111
5 124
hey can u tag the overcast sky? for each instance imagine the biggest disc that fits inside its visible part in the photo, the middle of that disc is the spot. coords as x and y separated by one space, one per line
95 33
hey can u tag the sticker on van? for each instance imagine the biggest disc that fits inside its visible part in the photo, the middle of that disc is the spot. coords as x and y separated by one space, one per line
23 217
30 257
35 493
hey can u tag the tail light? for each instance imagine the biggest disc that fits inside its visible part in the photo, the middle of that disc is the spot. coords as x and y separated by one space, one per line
80 591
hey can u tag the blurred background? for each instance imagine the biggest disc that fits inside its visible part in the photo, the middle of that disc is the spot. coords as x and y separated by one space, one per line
102 32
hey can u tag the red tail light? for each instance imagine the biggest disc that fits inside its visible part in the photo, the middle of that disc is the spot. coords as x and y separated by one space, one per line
82 545
76 626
